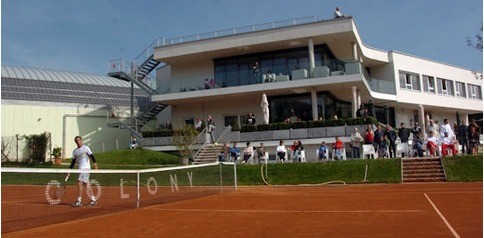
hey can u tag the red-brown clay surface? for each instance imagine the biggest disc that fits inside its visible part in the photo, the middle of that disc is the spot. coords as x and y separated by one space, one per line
369 210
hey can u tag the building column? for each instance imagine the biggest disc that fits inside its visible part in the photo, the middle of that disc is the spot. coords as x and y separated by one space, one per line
421 119
311 57
358 98
314 104
354 49
354 101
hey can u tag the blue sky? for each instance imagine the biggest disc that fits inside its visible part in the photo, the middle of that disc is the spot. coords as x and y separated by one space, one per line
82 36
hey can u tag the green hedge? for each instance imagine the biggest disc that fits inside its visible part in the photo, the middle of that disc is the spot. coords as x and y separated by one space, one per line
280 126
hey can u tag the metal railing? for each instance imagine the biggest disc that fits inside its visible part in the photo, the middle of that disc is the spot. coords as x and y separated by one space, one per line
235 31
162 41
196 144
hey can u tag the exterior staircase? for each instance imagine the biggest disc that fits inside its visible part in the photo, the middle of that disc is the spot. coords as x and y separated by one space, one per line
422 169
208 154
138 75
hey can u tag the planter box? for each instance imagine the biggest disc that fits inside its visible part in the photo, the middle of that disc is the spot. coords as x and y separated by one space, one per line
281 134
300 133
246 136
350 129
317 132
230 137
335 131
163 140
262 135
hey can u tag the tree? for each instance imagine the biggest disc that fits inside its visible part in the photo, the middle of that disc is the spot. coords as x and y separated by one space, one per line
477 43
183 138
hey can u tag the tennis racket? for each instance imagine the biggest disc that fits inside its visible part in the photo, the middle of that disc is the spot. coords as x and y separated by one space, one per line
61 190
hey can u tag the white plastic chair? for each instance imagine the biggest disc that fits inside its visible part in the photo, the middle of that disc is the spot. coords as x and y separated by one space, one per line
369 150
303 156
326 154
285 158
343 154
402 148
263 159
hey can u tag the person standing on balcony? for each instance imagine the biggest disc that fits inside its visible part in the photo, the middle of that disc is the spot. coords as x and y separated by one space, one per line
256 70
250 120
211 128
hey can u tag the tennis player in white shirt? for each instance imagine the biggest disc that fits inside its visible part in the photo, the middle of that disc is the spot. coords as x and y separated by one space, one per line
82 154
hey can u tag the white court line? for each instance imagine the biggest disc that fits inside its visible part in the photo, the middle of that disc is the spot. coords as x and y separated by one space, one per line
442 217
282 211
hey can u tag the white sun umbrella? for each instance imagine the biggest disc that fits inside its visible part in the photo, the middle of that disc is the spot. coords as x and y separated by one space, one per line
264 105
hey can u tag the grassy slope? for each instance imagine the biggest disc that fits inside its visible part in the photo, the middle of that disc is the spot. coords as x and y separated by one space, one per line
353 171
463 168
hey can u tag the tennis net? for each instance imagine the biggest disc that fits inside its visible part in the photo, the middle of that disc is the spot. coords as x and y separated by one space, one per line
35 197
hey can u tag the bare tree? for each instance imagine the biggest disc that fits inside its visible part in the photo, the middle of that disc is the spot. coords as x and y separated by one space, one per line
5 153
477 42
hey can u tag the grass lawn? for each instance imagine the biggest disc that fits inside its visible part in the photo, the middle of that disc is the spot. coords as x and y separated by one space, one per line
463 168
459 168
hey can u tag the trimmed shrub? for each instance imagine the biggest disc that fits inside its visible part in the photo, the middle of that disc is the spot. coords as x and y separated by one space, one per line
299 124
248 128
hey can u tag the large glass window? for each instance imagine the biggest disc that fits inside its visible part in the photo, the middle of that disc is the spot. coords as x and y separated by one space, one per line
239 70
283 107
428 83
445 87
460 89
409 81
474 91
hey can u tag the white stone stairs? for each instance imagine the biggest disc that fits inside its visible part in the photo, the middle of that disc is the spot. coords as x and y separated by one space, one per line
208 154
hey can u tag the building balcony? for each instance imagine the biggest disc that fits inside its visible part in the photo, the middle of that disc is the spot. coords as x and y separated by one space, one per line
300 81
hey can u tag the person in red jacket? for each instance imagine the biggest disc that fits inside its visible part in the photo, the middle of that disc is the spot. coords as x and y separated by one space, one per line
338 147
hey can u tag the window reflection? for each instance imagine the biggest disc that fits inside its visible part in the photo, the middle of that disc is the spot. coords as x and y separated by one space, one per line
239 70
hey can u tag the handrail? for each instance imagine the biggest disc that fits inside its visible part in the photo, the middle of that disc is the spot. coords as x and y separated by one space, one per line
224 132
198 146
234 31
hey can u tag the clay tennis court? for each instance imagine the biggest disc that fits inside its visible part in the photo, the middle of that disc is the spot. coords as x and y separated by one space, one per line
364 210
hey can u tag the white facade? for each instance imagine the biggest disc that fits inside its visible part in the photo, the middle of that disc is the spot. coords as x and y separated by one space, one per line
191 62
65 105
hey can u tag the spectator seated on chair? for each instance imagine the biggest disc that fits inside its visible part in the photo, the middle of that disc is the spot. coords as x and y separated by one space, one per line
322 151
432 143
448 142
248 152
234 152
224 153
261 153
281 151
298 152
338 147
134 144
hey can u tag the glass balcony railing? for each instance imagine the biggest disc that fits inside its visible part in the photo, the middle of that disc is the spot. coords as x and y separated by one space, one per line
351 68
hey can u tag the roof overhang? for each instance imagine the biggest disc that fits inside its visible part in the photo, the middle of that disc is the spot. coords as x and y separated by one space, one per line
335 33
